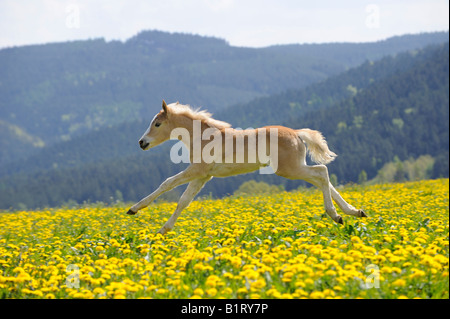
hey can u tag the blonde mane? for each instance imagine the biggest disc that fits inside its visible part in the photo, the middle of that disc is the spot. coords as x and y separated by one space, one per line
201 115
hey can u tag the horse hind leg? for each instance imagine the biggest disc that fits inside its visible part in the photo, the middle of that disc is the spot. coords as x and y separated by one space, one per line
318 176
344 206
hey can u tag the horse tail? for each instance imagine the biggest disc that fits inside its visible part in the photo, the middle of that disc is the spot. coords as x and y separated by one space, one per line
317 146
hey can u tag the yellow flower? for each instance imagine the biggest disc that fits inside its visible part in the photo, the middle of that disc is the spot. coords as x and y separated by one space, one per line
329 292
399 283
386 269
211 292
242 290
397 270
317 295
273 293
227 291
309 281
330 272
199 266
98 291
198 291
161 291
267 259
258 284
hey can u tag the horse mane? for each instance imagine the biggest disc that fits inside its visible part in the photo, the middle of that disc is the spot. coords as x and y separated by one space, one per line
201 115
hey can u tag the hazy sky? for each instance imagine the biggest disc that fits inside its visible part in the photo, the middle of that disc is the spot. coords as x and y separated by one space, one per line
254 23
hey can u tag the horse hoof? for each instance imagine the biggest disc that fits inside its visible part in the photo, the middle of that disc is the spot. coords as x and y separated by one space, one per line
362 213
164 230
130 212
340 221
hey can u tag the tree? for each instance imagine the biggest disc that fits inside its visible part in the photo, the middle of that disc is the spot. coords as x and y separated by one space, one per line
362 177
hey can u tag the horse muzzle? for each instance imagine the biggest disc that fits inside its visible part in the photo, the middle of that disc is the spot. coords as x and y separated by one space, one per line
144 144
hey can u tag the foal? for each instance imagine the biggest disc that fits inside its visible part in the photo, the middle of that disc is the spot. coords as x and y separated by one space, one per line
288 160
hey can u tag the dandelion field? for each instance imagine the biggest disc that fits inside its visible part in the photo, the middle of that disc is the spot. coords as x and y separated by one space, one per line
272 246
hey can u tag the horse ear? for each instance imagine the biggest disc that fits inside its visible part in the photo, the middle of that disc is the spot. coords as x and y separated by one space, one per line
164 107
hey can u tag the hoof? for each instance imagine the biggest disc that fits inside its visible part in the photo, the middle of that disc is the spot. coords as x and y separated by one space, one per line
164 230
340 220
362 213
130 212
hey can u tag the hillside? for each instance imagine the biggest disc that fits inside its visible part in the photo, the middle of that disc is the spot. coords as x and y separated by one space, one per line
55 92
294 103
402 113
405 115
16 138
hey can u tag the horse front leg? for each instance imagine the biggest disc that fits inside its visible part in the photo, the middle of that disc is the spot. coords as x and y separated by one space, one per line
170 183
193 189
194 171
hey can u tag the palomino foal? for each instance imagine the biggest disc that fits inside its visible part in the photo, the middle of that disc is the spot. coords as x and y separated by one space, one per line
288 160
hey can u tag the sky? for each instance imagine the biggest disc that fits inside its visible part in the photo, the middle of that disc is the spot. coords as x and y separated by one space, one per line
249 23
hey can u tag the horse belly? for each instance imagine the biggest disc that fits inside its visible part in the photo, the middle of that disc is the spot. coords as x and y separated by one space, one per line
224 169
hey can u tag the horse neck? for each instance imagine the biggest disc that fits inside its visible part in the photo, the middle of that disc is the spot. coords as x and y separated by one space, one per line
194 127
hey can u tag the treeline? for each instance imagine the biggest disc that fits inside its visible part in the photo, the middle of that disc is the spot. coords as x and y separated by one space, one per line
134 177
421 168
409 170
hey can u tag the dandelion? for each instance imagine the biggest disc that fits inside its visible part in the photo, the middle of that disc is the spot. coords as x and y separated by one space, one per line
399 283
317 295
211 292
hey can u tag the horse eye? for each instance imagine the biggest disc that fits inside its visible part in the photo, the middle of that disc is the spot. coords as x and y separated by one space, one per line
157 124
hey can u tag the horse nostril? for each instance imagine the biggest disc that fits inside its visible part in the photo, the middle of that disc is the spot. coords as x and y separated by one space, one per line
143 144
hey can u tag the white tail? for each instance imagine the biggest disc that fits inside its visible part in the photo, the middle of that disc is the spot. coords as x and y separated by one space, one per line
317 146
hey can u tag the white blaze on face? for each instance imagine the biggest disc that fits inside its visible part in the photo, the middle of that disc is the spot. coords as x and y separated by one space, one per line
144 137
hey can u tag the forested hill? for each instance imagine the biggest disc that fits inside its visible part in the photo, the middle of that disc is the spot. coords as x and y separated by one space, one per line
403 113
294 103
54 92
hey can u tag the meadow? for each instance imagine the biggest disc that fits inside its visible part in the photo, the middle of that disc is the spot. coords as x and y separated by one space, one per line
269 246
